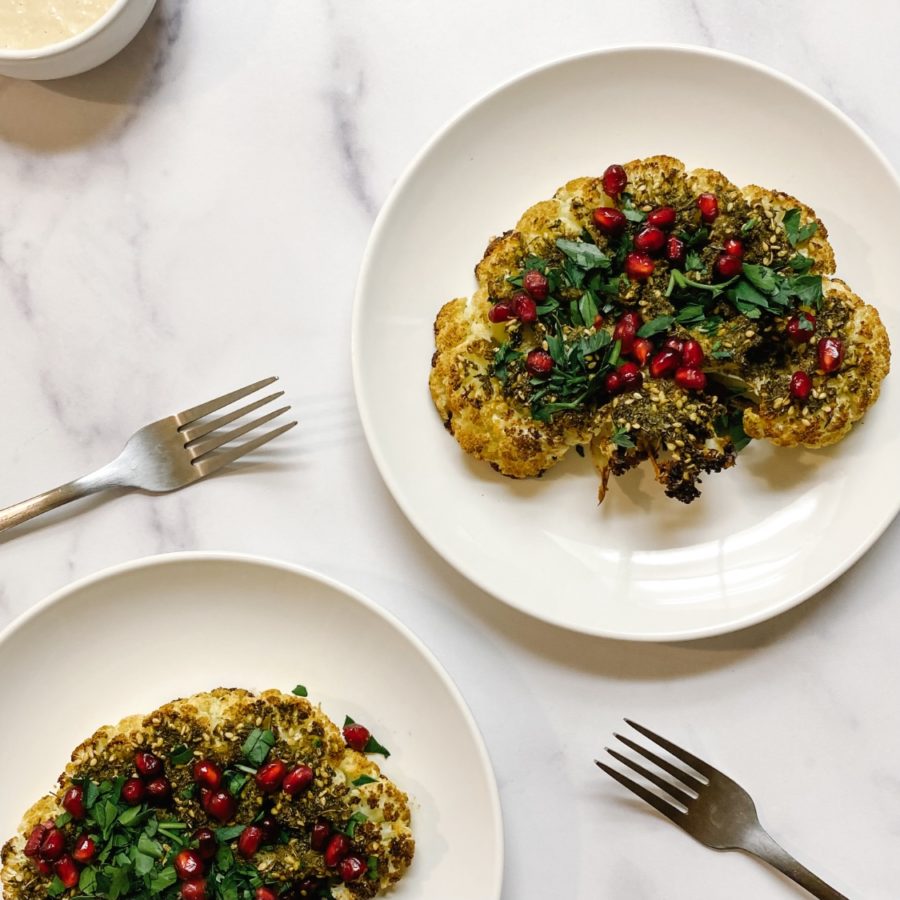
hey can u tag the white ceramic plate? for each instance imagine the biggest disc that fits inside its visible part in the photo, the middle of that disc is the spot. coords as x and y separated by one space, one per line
766 534
133 637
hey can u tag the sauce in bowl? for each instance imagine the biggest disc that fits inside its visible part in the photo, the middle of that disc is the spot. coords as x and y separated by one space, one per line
30 24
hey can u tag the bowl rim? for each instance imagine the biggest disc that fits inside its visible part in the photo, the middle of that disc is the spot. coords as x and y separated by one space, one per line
49 51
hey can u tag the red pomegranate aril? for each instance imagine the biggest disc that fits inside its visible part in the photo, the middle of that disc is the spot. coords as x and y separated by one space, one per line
708 204
625 331
831 354
297 780
650 240
662 217
73 802
306 888
690 379
249 841
609 220
220 805
598 321
270 776
337 849
612 383
207 845
692 355
638 266
188 865
525 308
207 773
727 266
133 791
631 376
500 312
264 893
734 247
66 870
269 828
356 736
53 845
536 284
85 849
674 343
352 868
801 328
675 251
614 180
35 839
665 363
319 835
44 867
194 890
538 362
801 385
159 791
641 350
149 765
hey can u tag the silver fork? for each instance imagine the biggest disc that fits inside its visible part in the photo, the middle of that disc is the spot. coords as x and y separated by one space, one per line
166 455
709 806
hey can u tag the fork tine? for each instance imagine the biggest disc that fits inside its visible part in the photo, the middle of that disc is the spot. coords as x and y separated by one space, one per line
192 432
675 771
204 409
662 783
213 442
657 802
706 770
215 462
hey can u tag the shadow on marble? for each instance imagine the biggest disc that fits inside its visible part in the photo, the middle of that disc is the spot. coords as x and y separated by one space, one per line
62 115
61 515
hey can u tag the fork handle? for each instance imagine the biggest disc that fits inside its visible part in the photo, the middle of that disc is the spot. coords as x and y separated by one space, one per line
763 845
73 490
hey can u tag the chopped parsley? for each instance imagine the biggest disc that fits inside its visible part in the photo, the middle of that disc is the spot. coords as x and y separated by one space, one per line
797 233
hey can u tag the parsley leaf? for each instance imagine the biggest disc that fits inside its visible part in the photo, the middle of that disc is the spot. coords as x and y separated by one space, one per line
796 233
257 746
630 211
584 255
749 225
300 691
621 438
693 262
800 264
364 779
503 356
655 326
181 755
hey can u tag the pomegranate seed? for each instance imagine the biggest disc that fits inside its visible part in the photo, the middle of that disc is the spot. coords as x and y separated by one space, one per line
831 354
269 828
675 251
149 765
73 802
612 383
734 247
35 839
801 385
207 773
662 217
525 310
352 868
650 240
270 776
297 780
207 846
598 321
727 266
319 835
642 350
356 736
338 848
305 888
690 379
614 180
665 363
159 791
265 893
801 328
85 849
631 376
708 204
538 362
250 841
536 284
500 312
692 355
133 791
609 220
625 331
44 867
220 805
53 845
674 343
194 890
638 266
188 865
66 871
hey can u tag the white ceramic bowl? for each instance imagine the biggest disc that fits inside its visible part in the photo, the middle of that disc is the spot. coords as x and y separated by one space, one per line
85 50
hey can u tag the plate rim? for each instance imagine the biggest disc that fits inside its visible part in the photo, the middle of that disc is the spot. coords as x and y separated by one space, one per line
876 529
66 592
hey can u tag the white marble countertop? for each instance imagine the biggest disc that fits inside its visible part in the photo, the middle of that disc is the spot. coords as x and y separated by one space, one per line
191 217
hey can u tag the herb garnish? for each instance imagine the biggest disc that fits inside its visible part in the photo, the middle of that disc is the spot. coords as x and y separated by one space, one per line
300 691
796 233
257 746
621 438
372 745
